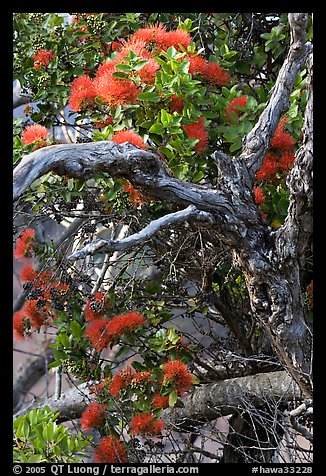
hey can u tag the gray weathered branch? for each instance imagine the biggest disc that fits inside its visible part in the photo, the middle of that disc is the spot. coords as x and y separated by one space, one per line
166 221
205 403
257 141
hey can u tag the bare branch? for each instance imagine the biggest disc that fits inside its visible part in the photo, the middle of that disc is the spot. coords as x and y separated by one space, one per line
106 246
257 141
300 410
205 403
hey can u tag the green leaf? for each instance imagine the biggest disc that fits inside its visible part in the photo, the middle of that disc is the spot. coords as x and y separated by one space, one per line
121 75
165 117
157 129
124 67
173 398
76 329
139 65
166 150
149 96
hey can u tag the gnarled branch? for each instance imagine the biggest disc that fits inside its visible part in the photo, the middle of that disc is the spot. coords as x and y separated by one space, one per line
106 246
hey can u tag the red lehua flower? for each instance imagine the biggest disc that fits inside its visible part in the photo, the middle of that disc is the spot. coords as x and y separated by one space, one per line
151 34
82 93
136 46
34 133
93 416
125 323
95 306
233 106
136 197
42 58
148 72
106 122
115 92
110 450
160 401
36 315
25 244
197 130
107 67
176 104
19 324
177 373
215 74
27 273
269 168
286 160
198 65
97 332
145 424
259 195
282 139
129 136
120 381
142 377
176 38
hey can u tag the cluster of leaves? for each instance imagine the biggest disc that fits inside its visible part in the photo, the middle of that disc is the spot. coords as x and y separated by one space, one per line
39 439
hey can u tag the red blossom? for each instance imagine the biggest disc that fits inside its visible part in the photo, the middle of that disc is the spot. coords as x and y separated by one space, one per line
151 34
129 136
233 106
145 424
197 130
93 416
177 373
136 197
114 91
176 104
198 65
125 323
177 38
286 160
34 133
98 334
42 58
95 306
120 381
282 140
27 273
25 244
82 93
148 72
215 74
37 316
269 168
259 195
160 401
110 450
141 377
19 325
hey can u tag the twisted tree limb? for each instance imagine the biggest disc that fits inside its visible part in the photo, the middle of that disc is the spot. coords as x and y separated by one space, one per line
105 246
273 287
205 403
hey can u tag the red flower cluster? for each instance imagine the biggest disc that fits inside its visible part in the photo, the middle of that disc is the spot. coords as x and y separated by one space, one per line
136 197
120 381
145 424
176 104
19 325
93 416
34 133
160 401
209 70
259 195
110 450
42 59
127 322
25 244
157 37
129 136
197 130
95 305
29 317
101 330
177 373
27 273
233 106
82 93
280 155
